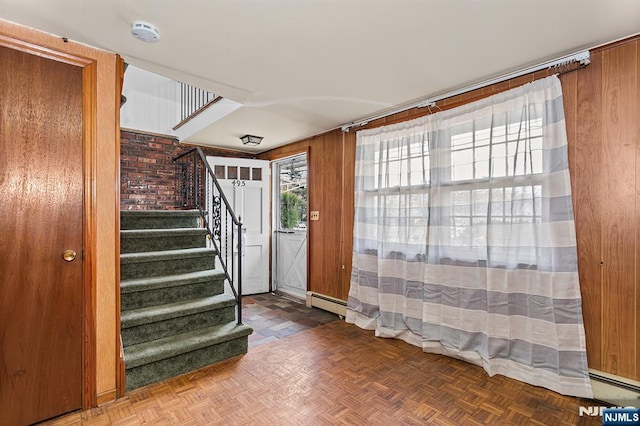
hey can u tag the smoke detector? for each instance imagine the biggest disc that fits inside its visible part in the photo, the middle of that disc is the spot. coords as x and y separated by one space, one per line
145 31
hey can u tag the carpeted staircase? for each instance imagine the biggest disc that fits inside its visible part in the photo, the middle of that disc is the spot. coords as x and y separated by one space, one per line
175 316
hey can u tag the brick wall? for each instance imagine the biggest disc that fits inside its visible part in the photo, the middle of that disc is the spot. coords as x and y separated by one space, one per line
147 173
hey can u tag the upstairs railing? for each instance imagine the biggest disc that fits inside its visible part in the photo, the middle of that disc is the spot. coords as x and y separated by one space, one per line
198 188
193 101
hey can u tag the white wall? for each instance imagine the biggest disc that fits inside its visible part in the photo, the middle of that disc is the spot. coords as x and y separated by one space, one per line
152 102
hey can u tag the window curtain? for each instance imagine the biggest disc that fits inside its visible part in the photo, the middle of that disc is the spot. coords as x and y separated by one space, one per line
464 238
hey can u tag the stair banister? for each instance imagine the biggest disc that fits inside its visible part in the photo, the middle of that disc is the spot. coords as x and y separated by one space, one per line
193 196
239 297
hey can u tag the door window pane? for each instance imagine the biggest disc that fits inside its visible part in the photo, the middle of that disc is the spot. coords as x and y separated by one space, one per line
232 172
293 194
244 173
256 173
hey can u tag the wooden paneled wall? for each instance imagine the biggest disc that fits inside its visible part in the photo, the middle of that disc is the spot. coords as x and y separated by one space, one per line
602 109
602 106
325 160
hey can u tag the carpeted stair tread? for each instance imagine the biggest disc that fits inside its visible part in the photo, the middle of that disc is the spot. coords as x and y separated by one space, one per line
145 219
157 256
143 240
165 281
159 213
156 350
166 262
141 233
152 314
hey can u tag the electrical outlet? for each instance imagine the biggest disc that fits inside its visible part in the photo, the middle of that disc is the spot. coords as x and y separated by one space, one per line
315 215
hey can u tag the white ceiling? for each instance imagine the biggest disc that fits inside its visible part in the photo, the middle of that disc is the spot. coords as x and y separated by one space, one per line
301 67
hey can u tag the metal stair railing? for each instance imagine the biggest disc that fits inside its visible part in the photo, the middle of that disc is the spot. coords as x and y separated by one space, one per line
198 188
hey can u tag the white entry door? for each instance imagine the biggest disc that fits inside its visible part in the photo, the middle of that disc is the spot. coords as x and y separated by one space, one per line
290 226
245 183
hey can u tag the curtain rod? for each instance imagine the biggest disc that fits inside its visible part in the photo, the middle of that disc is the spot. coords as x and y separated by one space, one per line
580 57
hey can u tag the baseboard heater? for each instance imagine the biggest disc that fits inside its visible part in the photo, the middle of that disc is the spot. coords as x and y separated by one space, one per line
615 390
327 303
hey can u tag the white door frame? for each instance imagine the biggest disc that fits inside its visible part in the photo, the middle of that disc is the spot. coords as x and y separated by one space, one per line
275 227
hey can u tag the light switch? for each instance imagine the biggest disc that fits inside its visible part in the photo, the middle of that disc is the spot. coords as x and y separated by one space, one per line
315 215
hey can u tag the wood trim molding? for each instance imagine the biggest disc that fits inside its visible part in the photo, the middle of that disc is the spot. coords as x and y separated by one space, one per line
121 370
119 361
276 155
105 397
89 89
45 52
309 204
614 44
197 112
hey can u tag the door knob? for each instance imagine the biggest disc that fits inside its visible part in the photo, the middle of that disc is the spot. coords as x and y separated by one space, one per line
69 255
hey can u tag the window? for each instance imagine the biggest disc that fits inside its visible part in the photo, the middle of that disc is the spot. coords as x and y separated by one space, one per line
464 227
512 148
488 176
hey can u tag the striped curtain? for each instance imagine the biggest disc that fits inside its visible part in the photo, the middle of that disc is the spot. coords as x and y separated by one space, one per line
464 238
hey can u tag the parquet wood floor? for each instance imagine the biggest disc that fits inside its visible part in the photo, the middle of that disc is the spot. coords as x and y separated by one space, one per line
338 374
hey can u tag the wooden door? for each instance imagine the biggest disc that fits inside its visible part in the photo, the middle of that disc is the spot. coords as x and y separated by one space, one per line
41 216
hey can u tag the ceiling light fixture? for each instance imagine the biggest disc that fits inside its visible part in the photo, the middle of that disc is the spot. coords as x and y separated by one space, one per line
251 140
145 31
